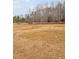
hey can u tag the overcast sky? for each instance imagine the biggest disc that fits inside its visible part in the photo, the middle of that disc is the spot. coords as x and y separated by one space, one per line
21 7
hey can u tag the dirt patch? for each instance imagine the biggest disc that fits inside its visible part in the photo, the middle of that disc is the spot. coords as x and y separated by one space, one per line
38 41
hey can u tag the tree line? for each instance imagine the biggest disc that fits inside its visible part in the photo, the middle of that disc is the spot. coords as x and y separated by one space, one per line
52 13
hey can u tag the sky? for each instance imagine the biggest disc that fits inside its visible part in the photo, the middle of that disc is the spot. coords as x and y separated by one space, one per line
21 7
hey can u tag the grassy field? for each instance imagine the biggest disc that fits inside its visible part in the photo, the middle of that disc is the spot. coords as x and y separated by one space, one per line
38 41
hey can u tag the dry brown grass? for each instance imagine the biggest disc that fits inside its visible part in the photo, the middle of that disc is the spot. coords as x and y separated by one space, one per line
38 41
